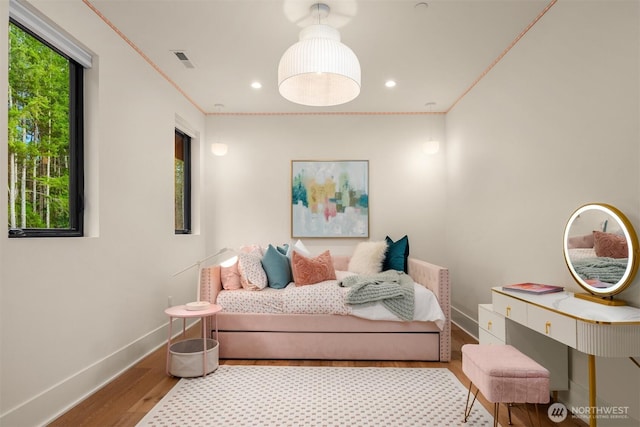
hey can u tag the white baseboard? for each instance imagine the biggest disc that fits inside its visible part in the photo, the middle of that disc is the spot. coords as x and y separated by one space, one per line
59 398
464 322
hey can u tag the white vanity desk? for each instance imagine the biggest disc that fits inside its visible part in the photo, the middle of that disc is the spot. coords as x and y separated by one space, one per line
591 328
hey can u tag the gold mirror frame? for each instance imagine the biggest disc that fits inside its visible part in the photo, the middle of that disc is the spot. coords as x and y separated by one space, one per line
604 294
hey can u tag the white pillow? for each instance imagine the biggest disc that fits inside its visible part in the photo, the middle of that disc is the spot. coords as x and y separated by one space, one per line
368 257
298 247
252 274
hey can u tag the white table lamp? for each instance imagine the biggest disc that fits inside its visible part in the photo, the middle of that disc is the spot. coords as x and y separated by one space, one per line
224 257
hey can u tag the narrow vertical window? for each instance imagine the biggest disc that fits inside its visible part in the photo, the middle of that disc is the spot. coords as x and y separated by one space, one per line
45 154
182 174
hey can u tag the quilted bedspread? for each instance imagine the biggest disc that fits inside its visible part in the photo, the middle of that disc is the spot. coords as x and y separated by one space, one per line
326 297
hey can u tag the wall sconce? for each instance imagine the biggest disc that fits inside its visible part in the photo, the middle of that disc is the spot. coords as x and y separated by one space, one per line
432 146
219 149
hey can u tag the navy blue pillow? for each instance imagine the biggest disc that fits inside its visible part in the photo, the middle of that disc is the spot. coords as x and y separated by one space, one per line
397 254
277 267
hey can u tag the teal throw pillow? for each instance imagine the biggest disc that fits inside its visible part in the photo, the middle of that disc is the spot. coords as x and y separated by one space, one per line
397 254
277 267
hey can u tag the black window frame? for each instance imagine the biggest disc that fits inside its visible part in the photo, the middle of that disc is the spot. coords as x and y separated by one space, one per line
186 190
76 151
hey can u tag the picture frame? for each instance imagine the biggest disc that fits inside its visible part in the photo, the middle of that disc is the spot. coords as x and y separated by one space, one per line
330 199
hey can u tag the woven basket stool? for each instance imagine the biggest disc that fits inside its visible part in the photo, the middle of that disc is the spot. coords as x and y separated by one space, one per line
504 375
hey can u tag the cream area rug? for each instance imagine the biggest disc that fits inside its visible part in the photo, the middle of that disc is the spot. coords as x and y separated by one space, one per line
317 396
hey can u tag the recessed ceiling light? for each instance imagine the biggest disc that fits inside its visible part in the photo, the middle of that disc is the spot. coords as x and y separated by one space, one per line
390 83
256 85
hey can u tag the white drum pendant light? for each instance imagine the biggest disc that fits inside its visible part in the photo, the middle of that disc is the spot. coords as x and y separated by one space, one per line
319 70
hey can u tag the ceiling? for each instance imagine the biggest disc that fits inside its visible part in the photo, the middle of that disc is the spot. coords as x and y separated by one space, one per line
434 50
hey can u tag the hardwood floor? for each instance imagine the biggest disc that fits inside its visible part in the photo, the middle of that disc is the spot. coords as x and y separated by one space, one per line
124 401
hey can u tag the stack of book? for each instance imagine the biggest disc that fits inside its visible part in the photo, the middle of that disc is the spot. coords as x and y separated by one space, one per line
533 288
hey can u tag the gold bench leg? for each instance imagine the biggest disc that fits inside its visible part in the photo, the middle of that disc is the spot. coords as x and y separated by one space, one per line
467 407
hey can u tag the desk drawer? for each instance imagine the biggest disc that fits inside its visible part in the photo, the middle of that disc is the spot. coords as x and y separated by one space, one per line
560 328
485 337
510 308
491 322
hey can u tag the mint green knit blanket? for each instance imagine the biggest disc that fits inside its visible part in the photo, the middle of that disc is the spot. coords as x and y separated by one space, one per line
394 289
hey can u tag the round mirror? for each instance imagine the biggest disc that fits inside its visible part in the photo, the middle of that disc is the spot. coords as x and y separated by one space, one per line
600 249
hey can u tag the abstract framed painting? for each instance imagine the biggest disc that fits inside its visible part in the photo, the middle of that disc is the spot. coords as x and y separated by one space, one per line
330 198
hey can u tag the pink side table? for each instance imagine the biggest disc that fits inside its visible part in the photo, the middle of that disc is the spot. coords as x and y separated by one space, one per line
181 312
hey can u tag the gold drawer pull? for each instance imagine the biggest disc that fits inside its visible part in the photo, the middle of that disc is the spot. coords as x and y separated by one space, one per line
547 327
508 311
489 325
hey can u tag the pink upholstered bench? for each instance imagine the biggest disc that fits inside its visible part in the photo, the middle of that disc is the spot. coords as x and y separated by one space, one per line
504 375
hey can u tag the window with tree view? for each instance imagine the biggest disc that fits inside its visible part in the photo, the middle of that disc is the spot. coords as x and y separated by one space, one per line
45 173
182 179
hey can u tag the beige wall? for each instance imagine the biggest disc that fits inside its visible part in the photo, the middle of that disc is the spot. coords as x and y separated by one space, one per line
77 311
249 196
555 125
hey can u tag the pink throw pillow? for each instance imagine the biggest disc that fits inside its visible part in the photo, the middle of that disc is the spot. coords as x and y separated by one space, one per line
610 245
585 241
230 277
309 271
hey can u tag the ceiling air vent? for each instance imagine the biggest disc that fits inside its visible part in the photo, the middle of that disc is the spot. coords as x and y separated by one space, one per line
183 58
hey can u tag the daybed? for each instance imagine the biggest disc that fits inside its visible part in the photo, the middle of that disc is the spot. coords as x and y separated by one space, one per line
331 336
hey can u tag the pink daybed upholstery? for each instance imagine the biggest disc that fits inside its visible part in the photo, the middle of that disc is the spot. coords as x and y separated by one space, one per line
334 337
